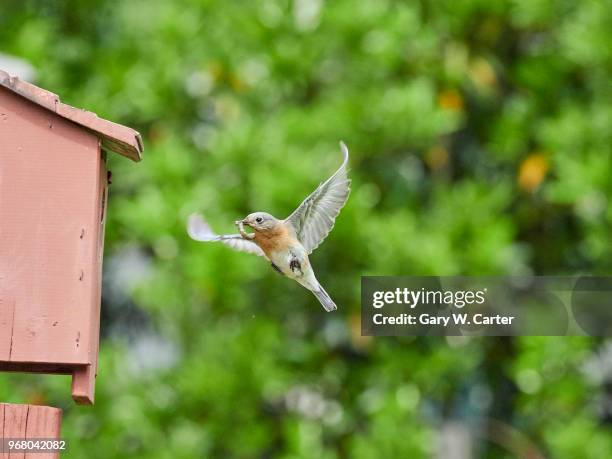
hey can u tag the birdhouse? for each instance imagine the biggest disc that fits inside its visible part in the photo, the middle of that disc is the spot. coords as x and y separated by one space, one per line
53 198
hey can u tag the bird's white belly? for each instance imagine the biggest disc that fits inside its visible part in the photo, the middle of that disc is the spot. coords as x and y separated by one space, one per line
282 259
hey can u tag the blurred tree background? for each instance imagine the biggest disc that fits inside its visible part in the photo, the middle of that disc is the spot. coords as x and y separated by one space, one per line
480 133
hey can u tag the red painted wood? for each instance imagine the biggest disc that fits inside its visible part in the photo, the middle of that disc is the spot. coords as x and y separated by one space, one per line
53 192
29 422
49 173
14 418
52 182
117 138
7 311
83 384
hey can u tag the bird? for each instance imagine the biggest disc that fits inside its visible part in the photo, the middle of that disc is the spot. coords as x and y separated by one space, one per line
287 243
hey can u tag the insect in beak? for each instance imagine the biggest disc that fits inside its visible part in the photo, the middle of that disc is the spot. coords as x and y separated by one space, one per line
240 224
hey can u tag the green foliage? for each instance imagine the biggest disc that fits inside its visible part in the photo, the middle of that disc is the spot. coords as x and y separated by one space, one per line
480 134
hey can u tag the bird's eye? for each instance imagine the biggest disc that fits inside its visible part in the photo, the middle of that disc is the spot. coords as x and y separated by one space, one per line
259 219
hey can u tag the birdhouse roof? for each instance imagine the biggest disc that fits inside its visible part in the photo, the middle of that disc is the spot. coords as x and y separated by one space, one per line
115 137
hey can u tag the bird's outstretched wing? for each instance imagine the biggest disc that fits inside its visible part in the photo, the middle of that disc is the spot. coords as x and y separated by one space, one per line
199 230
316 215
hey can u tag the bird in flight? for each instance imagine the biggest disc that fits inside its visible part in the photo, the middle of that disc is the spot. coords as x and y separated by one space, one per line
287 243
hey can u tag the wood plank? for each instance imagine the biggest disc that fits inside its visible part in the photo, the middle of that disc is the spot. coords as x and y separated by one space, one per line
43 422
120 139
29 422
2 455
7 313
84 384
14 424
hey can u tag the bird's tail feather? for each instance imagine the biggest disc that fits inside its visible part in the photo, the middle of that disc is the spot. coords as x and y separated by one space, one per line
325 299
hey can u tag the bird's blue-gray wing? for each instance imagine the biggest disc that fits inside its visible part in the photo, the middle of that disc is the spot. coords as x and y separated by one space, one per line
316 215
199 230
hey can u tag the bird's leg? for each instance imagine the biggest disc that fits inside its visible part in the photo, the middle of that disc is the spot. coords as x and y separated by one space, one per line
243 233
294 263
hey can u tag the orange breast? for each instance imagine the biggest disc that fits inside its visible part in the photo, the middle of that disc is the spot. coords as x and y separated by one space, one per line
274 240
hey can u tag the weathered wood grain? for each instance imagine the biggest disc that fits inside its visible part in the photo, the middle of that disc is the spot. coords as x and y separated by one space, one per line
29 422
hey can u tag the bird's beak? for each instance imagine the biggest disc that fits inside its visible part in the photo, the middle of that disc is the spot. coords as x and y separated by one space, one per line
243 233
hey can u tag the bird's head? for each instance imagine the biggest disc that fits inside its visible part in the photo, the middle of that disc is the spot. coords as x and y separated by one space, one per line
260 221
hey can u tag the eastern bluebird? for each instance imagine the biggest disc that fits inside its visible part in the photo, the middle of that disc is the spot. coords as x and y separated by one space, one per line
287 243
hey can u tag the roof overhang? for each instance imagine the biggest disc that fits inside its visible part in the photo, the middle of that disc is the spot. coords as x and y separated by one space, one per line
114 137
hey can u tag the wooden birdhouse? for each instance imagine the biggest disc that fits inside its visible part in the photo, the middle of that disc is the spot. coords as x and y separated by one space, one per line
53 194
